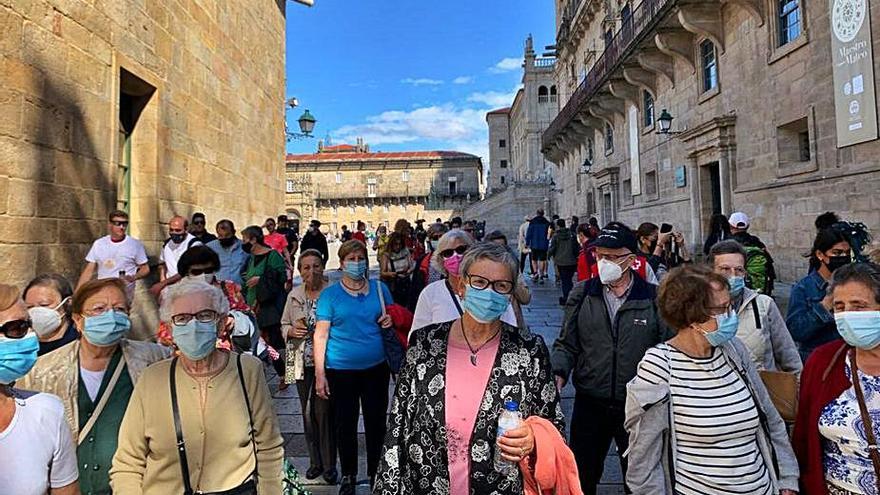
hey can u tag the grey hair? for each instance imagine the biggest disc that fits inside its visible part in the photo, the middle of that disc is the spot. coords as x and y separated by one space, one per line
726 247
188 288
491 252
867 274
444 243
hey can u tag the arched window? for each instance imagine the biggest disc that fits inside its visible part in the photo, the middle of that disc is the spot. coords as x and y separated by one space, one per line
553 94
542 94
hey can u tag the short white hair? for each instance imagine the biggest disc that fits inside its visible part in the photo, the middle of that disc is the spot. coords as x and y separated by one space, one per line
188 288
444 243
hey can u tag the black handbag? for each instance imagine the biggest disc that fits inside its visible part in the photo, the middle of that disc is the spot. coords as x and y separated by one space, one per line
249 487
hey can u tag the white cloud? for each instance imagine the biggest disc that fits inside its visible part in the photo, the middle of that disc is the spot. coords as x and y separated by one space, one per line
494 98
463 80
507 65
422 81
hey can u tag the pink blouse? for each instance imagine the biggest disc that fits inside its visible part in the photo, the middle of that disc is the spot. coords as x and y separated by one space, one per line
465 387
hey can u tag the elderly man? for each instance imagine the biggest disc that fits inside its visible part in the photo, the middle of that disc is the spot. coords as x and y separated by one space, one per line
228 248
610 321
179 240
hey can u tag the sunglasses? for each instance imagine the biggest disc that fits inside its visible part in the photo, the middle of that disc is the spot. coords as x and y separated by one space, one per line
446 253
119 223
15 329
202 271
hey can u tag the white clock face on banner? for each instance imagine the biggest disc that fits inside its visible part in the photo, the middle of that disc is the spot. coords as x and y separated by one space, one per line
847 18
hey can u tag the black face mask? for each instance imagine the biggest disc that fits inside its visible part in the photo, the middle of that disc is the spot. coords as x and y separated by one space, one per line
247 248
227 242
835 262
177 238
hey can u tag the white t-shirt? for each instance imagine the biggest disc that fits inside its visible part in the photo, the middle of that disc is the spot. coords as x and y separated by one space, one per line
114 257
92 381
39 444
171 253
435 305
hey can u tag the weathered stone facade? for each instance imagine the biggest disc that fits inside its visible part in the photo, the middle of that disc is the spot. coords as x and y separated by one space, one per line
186 96
500 173
752 97
506 210
344 184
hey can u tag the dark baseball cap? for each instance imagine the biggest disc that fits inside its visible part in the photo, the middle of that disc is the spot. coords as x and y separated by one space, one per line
616 237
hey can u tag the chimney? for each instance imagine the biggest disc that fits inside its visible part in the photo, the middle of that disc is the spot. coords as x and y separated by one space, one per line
320 145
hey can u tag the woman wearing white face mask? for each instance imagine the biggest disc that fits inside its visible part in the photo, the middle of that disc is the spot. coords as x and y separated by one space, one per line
48 301
837 423
699 418
214 404
94 376
39 457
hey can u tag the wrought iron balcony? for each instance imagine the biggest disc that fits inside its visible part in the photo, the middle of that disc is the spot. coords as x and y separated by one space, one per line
545 62
642 21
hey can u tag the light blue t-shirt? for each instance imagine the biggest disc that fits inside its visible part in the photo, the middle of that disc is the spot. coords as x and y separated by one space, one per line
232 260
355 341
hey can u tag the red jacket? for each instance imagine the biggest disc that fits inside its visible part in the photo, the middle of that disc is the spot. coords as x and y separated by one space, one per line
822 381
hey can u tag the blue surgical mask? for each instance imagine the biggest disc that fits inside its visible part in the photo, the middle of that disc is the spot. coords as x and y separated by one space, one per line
727 326
17 357
355 269
434 244
859 328
196 339
107 328
485 305
737 284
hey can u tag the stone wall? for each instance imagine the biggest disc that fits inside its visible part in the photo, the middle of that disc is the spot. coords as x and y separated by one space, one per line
506 210
208 79
499 130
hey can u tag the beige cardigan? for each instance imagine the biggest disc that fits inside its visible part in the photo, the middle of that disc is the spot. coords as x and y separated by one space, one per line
218 444
58 372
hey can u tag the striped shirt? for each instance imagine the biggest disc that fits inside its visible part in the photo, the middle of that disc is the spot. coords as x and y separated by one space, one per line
716 424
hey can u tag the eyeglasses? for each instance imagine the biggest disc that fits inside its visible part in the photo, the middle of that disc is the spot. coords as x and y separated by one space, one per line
119 223
720 310
15 329
612 258
101 309
204 316
202 271
480 283
199 222
446 253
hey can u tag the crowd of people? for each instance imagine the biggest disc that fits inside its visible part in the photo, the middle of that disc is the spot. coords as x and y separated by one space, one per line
687 365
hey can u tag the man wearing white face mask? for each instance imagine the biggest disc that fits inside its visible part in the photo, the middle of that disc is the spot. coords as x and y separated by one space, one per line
610 321
48 300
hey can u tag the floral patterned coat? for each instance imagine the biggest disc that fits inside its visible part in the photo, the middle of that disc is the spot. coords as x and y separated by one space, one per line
414 459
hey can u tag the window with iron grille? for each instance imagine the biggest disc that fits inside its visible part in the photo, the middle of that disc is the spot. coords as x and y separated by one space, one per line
648 109
609 139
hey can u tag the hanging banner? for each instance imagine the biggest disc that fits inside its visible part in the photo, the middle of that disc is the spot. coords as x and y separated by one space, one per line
853 64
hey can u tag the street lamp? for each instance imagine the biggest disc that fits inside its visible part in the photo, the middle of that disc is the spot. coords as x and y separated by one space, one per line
665 121
586 166
306 122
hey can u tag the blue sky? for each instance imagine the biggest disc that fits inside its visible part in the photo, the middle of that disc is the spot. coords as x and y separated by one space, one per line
409 74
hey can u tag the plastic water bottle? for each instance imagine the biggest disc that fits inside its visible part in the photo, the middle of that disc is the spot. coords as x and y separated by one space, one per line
510 419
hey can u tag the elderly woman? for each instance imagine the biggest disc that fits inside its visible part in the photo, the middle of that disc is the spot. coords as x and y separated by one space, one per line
350 366
35 443
429 272
94 376
698 416
761 326
48 301
836 410
298 326
214 404
522 296
440 301
442 434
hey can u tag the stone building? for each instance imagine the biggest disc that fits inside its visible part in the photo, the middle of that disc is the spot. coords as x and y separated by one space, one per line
340 185
500 172
158 108
774 115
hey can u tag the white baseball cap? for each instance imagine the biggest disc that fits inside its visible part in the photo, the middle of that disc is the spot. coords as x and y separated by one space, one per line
739 220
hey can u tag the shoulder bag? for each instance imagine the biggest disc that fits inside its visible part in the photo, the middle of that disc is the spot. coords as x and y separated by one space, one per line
866 417
249 487
394 347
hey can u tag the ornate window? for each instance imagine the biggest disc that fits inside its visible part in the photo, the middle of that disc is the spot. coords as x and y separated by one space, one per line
789 21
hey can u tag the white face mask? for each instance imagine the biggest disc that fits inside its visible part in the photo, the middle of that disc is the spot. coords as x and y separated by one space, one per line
44 320
609 271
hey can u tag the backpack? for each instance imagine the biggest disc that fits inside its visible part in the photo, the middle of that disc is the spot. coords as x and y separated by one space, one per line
759 270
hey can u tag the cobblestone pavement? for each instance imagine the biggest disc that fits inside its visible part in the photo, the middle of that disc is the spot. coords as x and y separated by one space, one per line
544 316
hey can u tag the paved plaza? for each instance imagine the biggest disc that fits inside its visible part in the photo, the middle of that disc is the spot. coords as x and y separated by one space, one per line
544 316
